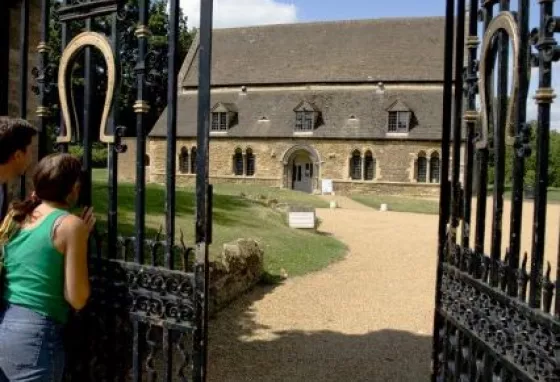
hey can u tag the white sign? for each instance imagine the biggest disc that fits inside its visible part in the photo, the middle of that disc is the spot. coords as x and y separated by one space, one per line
301 220
326 186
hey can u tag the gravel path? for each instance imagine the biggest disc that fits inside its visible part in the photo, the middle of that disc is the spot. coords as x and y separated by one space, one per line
365 318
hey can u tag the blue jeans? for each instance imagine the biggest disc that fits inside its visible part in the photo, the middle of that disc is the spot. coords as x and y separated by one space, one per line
31 347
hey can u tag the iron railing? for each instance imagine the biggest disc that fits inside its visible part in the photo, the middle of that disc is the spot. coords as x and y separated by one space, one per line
148 313
495 319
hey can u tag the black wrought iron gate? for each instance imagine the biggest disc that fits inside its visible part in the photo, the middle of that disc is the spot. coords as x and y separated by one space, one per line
497 313
147 316
497 317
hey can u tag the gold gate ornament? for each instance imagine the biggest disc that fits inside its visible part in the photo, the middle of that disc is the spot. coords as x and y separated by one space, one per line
99 41
504 21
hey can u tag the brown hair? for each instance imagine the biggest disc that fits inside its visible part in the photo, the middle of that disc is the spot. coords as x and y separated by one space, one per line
15 135
53 180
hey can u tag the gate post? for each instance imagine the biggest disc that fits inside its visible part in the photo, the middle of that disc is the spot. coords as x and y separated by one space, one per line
444 204
43 77
203 191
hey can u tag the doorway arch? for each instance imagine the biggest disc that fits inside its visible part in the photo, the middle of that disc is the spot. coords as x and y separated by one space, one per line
301 168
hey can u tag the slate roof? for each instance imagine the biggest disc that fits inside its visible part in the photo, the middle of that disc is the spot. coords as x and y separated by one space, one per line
336 56
389 49
368 107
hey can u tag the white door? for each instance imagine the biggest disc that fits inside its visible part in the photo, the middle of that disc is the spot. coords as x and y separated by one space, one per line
302 176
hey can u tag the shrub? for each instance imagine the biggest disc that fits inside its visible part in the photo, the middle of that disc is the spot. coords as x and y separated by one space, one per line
98 154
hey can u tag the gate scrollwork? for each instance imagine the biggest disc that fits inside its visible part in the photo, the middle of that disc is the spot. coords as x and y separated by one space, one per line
497 315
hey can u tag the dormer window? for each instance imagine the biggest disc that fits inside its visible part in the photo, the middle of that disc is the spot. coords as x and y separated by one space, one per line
306 117
399 118
219 121
223 117
304 120
399 121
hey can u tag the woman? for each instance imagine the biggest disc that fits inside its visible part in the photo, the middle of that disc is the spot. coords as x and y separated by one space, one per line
45 260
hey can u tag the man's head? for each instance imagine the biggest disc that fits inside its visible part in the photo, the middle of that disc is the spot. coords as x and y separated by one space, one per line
16 136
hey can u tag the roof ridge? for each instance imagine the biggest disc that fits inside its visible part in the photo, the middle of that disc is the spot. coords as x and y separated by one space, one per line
380 50
334 22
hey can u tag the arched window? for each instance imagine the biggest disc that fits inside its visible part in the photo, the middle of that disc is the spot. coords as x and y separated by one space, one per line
356 166
250 159
369 166
434 168
422 168
146 160
193 160
184 160
238 162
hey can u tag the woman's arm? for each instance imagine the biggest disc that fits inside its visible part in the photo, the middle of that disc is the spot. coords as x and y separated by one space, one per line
73 234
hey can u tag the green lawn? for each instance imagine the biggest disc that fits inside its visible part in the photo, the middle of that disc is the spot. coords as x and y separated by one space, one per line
235 216
428 206
399 204
247 191
553 194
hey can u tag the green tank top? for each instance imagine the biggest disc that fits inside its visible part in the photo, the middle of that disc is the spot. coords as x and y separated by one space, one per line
35 270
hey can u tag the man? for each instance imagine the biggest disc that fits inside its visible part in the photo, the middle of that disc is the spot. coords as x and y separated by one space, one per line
16 136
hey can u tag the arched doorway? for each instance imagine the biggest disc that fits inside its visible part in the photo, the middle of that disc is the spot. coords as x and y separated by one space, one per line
301 169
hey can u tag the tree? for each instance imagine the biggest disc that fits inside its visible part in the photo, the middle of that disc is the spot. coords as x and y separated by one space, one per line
531 161
127 44
157 59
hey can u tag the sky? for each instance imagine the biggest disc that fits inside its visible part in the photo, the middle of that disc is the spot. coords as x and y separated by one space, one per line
234 13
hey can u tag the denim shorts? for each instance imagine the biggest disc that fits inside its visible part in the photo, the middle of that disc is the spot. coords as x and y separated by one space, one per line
31 347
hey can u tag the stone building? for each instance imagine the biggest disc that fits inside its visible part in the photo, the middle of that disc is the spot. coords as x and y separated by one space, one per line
355 102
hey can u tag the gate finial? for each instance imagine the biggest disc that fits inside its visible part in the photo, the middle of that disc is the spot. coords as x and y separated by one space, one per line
79 42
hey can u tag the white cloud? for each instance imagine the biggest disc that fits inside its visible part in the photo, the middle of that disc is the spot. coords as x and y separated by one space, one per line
236 13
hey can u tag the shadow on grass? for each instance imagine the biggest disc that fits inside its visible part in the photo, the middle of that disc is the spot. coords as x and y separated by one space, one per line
269 279
224 205
323 233
321 355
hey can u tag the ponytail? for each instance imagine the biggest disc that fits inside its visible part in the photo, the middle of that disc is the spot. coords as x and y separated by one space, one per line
8 228
21 210
17 214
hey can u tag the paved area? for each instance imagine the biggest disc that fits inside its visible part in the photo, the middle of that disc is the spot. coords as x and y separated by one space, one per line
365 318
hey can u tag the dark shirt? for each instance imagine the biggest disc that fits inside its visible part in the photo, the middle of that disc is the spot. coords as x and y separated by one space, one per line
3 201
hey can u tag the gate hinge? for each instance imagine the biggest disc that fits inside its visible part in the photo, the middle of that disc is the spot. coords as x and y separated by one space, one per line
461 202
209 210
522 143
458 202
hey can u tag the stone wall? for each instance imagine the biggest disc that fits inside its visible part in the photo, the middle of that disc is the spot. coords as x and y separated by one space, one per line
410 189
238 269
127 162
14 85
395 162
32 61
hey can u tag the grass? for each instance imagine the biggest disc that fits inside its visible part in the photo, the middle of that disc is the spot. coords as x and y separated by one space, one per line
248 191
553 194
399 204
428 206
296 251
263 193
